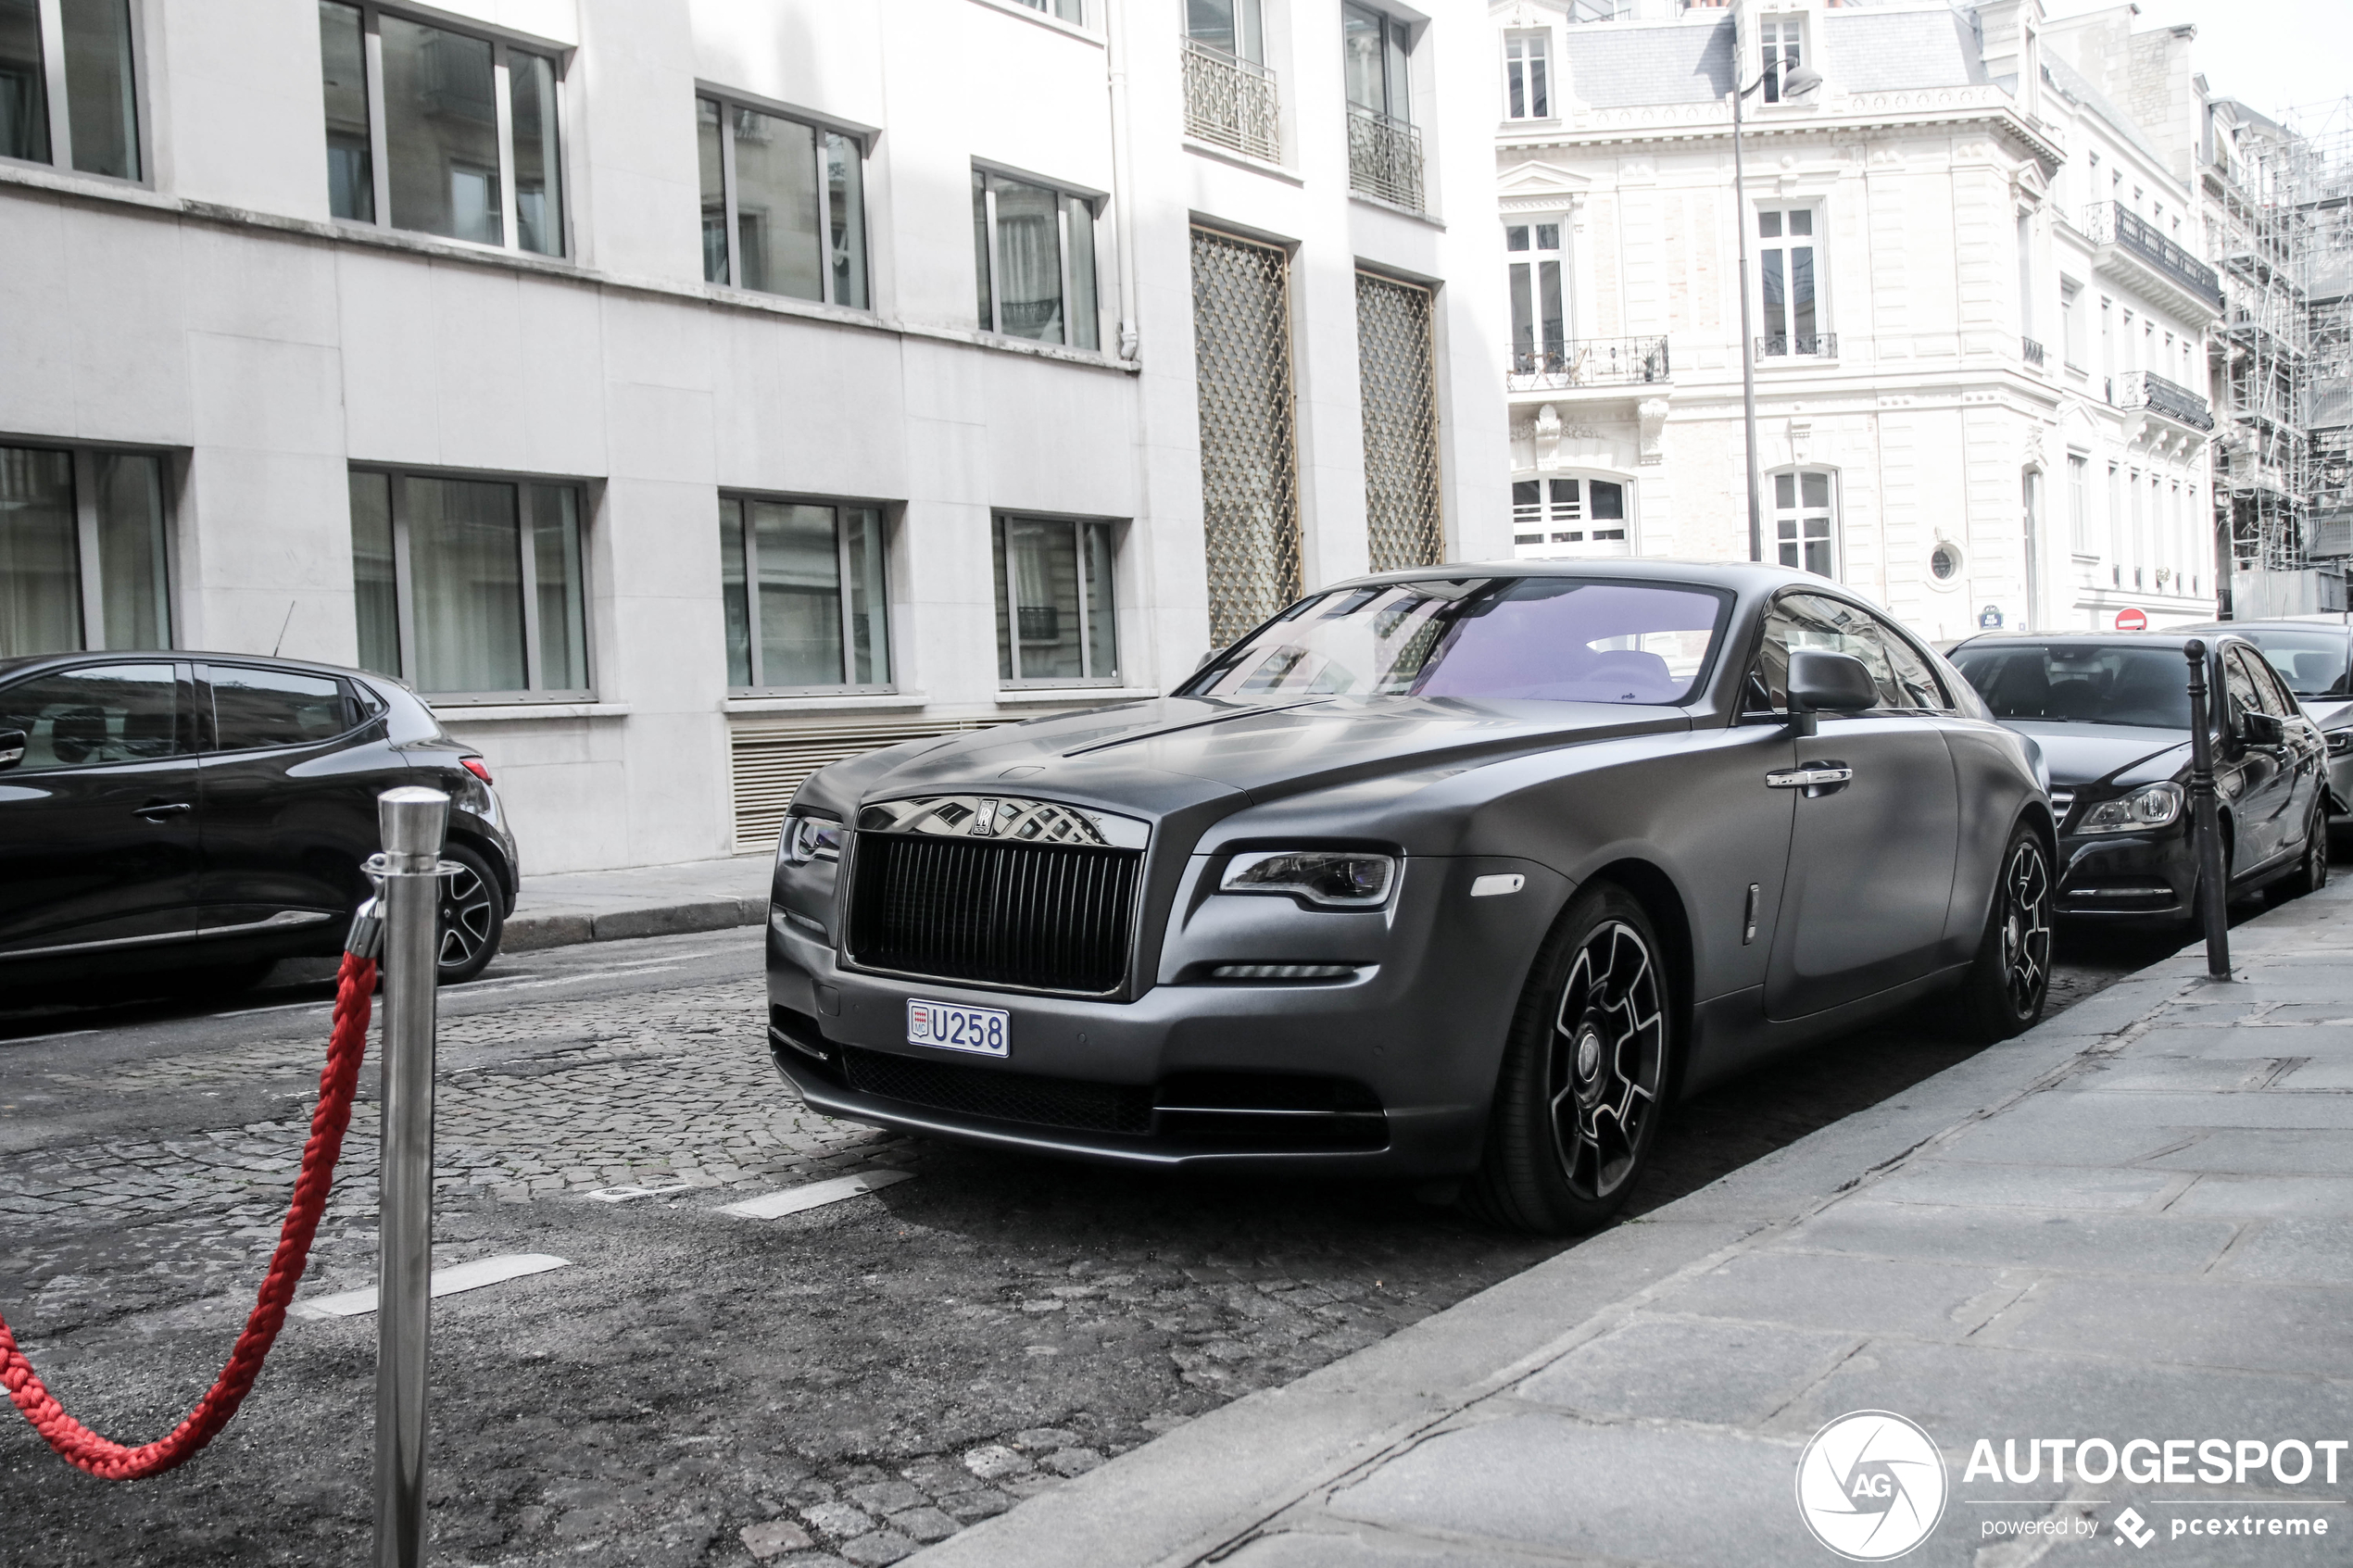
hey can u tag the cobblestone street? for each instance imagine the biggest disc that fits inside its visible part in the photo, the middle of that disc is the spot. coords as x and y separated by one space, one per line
841 1385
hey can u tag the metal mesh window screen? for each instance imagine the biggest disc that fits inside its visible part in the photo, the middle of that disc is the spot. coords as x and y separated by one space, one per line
1249 469
1400 393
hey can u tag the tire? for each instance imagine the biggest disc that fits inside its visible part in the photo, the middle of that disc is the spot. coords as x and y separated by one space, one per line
2011 978
471 918
1582 1085
2312 873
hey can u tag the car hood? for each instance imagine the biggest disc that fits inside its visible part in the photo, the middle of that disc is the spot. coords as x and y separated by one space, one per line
2328 712
1158 756
2081 754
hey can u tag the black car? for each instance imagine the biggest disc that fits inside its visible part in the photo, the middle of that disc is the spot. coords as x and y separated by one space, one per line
2314 656
2112 715
207 815
1464 871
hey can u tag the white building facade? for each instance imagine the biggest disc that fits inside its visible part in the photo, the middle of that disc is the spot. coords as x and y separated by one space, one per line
682 392
1980 375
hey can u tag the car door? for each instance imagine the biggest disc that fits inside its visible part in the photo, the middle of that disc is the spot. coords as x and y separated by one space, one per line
1871 853
291 768
98 838
2264 779
2307 750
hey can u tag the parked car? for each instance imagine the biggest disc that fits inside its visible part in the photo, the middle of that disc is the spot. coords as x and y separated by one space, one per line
207 814
2314 655
2112 715
1462 870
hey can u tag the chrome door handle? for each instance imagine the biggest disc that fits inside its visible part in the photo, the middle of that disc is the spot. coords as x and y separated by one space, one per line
156 810
1809 776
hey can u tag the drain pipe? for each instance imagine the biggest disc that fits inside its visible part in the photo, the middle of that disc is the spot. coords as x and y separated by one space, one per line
1123 178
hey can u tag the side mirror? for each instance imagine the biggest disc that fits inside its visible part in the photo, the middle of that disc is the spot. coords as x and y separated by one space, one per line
2262 729
1827 683
12 745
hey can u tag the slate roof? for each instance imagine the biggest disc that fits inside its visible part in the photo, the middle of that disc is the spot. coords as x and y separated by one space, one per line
2073 85
1616 67
1892 51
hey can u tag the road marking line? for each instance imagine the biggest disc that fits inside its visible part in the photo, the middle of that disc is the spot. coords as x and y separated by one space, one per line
445 1281
623 1195
792 1201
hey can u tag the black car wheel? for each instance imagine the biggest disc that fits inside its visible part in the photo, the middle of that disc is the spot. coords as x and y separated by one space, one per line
472 916
1584 1080
2312 874
2011 978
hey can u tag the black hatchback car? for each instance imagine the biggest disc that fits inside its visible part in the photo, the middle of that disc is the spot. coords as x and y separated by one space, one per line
2112 715
207 814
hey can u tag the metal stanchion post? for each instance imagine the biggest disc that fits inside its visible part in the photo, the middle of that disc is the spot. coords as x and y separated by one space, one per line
413 821
2213 886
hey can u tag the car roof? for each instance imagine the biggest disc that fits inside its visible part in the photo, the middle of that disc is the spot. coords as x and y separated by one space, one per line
1741 576
25 663
2176 639
2277 624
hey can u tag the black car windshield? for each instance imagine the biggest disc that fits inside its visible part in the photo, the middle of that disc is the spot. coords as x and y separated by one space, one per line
2082 682
2312 663
1556 639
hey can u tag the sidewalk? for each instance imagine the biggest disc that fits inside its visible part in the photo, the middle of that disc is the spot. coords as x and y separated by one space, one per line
564 908
2134 1222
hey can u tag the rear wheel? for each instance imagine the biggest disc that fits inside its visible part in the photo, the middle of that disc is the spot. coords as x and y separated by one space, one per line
1582 1085
473 916
2011 977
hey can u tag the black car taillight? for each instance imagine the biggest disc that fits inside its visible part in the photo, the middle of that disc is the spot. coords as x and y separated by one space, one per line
477 767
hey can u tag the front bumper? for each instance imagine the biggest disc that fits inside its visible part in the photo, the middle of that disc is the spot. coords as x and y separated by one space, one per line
2128 877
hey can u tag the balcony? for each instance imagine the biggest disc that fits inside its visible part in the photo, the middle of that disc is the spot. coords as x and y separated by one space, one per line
1384 159
2030 351
1231 101
1812 345
2108 224
2146 389
1617 362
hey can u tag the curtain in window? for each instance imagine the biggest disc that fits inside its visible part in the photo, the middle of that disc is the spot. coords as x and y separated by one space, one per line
466 564
732 592
539 205
869 629
373 577
1029 271
799 584
441 131
553 514
133 585
39 563
1037 560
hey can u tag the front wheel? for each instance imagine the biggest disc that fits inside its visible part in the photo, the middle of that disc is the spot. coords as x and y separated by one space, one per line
2011 977
2312 873
472 916
1583 1081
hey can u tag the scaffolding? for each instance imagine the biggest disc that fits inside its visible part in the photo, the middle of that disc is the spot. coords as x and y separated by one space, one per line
2281 228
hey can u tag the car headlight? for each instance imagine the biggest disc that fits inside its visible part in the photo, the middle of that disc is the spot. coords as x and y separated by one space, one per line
2153 807
809 839
2340 741
1332 879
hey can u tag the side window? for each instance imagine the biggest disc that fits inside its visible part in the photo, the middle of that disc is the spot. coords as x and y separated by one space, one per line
1833 626
1913 679
94 715
1768 680
2277 698
252 708
2240 683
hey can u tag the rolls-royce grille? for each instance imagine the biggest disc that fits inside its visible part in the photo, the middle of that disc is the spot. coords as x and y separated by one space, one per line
1044 917
1001 1097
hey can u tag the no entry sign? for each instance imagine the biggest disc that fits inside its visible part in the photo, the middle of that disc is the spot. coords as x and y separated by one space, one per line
2132 620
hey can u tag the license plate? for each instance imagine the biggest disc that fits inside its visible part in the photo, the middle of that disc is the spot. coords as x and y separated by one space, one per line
989 1031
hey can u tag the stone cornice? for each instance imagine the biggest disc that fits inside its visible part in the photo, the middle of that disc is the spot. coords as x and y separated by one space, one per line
1926 108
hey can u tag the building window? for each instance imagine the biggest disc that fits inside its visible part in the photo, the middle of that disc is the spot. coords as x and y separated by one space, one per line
1397 378
1034 256
470 588
1540 315
1057 624
1249 454
1944 561
1781 54
806 595
2071 325
1071 11
2079 503
1527 59
1806 520
83 558
1580 516
1384 147
69 87
784 204
1790 282
1230 93
441 131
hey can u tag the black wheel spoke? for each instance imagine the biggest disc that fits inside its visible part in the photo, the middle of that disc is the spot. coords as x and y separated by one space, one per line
1608 1060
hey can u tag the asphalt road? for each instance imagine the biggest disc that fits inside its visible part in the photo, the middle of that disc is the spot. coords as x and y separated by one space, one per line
842 1383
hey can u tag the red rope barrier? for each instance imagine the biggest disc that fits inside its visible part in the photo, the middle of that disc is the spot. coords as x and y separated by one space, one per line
86 1449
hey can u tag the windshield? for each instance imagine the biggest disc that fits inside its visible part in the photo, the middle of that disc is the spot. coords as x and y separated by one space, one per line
2082 682
2312 663
1555 639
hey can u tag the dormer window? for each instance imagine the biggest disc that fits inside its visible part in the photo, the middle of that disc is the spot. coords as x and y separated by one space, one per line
1783 52
1527 72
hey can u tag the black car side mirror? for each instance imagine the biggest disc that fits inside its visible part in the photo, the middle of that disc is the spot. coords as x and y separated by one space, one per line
12 745
2260 728
1821 682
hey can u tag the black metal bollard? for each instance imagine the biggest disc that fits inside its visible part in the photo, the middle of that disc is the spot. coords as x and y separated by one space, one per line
2213 881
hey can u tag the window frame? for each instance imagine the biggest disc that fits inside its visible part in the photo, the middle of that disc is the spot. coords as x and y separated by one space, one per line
1782 40
1817 236
1002 569
863 136
1579 517
405 594
838 504
1835 512
1098 207
502 41
1541 354
1534 46
1397 62
59 109
90 584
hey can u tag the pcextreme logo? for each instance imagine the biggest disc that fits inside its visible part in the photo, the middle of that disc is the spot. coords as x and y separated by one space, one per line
1870 1485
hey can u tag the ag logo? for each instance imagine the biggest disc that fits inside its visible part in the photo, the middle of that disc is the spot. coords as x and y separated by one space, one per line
1870 1485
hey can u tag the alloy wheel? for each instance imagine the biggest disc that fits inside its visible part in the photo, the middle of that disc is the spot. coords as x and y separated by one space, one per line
2026 927
1608 1054
2315 852
467 916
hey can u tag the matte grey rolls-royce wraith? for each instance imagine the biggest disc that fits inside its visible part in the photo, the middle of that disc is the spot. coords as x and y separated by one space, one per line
1464 871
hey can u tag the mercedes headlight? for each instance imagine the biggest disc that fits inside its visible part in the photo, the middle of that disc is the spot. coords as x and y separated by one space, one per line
2340 741
2153 807
1331 879
809 839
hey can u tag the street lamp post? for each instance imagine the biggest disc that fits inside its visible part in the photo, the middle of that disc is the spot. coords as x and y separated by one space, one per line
1802 79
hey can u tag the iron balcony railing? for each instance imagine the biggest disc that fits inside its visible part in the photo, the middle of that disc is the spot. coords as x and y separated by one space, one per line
1231 101
1617 362
2030 351
2107 223
1384 158
1813 346
2146 389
